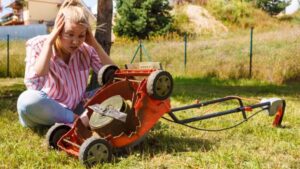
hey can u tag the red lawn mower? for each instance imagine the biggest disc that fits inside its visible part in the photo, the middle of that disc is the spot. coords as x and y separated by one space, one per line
129 103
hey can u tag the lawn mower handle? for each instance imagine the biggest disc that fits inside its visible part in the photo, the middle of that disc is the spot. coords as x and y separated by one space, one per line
264 105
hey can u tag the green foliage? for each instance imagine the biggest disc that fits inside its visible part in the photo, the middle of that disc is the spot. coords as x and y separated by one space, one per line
273 7
295 19
181 22
142 18
232 12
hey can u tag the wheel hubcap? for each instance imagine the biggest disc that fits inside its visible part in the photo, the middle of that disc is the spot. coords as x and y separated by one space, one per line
163 86
98 153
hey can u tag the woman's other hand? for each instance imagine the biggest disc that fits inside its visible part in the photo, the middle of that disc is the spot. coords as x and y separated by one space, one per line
90 39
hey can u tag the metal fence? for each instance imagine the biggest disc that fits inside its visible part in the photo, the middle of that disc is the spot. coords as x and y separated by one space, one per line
185 54
11 37
22 31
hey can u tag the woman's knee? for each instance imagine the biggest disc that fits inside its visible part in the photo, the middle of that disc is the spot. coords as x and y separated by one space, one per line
29 99
35 106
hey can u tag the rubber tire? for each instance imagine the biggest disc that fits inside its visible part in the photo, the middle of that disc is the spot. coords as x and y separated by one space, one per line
55 133
106 73
152 82
90 143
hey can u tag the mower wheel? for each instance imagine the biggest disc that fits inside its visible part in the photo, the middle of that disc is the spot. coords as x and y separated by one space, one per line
95 150
160 84
55 133
106 74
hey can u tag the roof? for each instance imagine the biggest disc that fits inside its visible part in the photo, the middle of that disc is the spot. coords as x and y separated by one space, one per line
7 15
15 5
12 22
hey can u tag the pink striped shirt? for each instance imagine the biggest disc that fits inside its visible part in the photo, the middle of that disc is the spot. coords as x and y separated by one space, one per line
65 83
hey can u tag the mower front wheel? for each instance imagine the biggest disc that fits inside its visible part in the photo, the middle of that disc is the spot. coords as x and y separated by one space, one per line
106 74
160 84
55 133
95 150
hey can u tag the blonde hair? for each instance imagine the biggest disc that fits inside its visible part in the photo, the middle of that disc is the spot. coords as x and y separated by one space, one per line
75 12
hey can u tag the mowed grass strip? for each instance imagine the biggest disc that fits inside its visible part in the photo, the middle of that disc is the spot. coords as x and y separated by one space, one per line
254 144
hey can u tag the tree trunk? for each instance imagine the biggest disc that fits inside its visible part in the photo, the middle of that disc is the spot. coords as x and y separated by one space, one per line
103 34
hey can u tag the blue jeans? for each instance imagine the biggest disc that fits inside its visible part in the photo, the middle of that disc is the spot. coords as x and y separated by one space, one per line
36 109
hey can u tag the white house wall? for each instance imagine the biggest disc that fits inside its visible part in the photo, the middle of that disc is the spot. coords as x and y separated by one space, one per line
40 10
44 10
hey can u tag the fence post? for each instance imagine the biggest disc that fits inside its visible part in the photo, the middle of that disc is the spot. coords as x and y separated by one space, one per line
7 66
251 44
185 51
141 50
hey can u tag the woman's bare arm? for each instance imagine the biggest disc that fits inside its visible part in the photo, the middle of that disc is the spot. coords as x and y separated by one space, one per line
42 63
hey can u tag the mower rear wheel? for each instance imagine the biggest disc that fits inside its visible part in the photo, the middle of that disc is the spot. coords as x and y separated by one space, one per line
160 84
106 74
95 150
55 133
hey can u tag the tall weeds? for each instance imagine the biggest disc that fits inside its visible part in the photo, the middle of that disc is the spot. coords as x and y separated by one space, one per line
226 57
238 14
275 56
16 58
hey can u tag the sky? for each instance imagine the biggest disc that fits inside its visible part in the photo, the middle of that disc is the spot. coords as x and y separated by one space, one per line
89 3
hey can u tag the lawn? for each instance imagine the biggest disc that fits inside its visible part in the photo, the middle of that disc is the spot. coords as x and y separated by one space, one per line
254 144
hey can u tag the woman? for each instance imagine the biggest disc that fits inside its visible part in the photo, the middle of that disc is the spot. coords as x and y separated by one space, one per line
57 69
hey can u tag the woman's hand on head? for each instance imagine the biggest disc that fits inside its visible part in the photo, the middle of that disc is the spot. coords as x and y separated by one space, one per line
90 39
58 26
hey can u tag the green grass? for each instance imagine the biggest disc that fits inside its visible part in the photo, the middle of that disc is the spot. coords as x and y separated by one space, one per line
254 144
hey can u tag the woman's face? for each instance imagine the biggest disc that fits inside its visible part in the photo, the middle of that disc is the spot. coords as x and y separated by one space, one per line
72 36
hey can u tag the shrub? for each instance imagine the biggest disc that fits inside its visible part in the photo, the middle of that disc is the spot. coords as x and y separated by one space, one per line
232 12
181 22
142 18
273 7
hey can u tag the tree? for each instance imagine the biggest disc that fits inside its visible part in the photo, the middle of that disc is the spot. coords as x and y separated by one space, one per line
273 7
103 34
142 18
